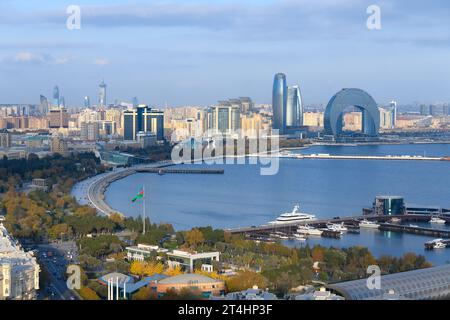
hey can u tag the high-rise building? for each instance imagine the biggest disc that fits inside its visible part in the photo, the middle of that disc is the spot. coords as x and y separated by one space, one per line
102 95
89 131
143 119
224 118
393 106
425 110
247 104
5 139
55 97
87 102
434 110
294 107
19 270
58 118
279 102
62 102
43 105
135 102
446 109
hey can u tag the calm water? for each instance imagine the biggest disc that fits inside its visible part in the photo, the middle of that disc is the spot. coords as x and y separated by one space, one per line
327 188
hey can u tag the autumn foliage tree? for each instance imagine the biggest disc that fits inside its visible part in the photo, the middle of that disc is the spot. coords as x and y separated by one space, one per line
194 237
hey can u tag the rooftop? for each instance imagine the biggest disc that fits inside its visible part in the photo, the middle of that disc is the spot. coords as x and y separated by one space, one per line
188 278
421 284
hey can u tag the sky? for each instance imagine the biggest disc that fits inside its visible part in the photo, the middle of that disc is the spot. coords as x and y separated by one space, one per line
195 52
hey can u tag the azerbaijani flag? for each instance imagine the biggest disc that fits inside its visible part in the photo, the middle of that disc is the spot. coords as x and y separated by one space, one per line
139 195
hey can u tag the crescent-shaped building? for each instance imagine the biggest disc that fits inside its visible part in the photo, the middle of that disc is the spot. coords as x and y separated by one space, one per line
333 119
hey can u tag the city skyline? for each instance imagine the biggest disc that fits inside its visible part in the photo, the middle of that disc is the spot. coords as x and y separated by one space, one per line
185 53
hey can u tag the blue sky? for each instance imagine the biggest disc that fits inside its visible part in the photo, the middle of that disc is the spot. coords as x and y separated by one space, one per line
198 52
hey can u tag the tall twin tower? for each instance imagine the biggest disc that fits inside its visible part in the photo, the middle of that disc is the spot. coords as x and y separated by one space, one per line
287 106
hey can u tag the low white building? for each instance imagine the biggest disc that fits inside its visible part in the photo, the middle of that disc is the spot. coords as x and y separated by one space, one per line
142 252
19 271
186 259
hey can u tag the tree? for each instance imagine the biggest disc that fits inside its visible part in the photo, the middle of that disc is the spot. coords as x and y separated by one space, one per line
137 268
173 271
194 237
88 294
60 229
245 280
145 293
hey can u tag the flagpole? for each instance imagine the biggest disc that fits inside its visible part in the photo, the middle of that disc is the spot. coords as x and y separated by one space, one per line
143 211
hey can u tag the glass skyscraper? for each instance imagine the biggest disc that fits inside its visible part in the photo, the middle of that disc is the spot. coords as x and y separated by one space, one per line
294 108
279 102
56 97
87 103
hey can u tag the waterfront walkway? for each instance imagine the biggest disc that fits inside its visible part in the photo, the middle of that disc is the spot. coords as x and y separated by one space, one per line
91 191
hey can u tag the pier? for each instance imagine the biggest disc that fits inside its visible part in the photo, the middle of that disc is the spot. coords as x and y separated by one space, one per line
180 171
360 157
352 224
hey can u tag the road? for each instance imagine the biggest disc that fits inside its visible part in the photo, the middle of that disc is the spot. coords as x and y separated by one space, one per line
53 260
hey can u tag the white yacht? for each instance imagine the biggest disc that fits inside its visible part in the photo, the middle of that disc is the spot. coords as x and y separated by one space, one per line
294 216
437 220
337 227
438 244
309 230
368 224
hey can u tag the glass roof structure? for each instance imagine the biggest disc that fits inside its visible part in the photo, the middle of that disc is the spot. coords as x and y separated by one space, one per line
422 284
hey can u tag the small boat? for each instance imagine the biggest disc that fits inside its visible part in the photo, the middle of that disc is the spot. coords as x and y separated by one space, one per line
337 227
294 216
279 235
413 225
437 220
438 244
311 231
395 220
368 224
299 237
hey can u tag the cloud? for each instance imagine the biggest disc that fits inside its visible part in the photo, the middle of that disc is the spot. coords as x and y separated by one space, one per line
33 58
101 62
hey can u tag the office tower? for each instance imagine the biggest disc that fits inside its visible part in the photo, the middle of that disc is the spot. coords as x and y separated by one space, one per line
43 105
62 102
279 102
5 139
224 118
247 104
143 119
102 95
87 102
434 110
89 131
135 102
55 97
294 107
424 110
393 106
446 110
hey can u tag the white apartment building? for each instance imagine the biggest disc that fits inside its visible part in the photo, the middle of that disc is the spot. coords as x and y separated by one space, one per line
19 271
